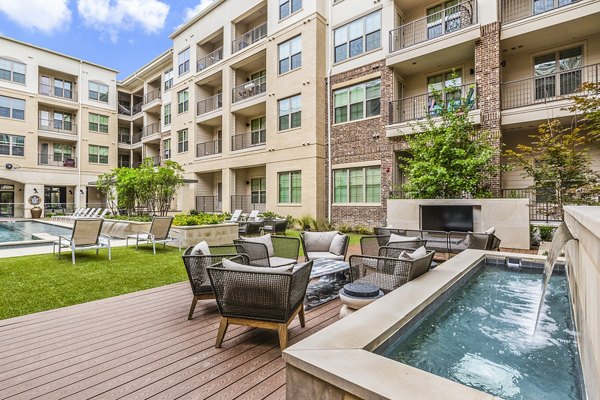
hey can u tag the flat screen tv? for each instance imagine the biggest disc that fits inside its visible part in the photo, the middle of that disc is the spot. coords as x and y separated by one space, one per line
447 218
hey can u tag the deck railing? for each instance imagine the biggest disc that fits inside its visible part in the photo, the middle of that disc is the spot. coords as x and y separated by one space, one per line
250 37
58 92
57 126
248 139
57 160
247 203
151 129
249 89
209 148
130 111
136 137
209 59
208 204
547 88
514 10
209 104
418 107
151 96
434 26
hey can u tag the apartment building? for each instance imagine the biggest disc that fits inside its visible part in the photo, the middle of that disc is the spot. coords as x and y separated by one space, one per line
513 60
58 126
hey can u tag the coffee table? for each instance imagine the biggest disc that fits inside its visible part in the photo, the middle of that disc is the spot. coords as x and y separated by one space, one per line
331 276
326 266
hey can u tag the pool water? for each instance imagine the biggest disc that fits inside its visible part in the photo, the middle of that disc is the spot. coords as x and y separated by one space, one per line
26 230
482 337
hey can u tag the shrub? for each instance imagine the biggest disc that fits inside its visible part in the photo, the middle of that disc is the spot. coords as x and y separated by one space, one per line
306 222
546 232
198 219
136 218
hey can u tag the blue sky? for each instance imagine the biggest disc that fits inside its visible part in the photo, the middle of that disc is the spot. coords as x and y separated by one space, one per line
120 34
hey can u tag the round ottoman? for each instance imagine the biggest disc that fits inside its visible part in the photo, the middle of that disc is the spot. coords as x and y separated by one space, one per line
356 295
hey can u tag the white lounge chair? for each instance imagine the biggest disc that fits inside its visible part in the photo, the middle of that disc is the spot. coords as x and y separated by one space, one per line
253 216
160 232
85 236
235 217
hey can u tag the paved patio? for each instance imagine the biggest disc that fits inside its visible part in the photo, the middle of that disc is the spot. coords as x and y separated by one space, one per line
141 345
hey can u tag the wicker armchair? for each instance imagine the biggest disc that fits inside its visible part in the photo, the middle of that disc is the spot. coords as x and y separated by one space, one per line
460 241
436 240
369 245
195 266
388 273
275 226
285 251
331 245
259 298
248 228
385 231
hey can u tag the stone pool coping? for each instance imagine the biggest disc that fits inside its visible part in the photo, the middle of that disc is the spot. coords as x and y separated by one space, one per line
339 359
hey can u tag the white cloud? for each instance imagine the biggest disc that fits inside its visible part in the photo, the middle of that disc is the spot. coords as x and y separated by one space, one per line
46 16
190 12
112 16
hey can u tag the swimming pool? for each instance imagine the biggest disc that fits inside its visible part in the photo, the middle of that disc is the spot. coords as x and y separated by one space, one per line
26 231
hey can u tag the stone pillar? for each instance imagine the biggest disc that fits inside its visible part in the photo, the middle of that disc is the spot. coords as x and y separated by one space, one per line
488 79
228 182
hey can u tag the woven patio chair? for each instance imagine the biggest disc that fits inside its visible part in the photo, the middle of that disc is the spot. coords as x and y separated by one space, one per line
332 245
388 273
369 245
269 250
248 228
275 226
461 241
383 230
196 264
436 240
86 235
160 232
259 297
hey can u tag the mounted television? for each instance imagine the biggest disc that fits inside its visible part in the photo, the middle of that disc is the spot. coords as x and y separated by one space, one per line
447 218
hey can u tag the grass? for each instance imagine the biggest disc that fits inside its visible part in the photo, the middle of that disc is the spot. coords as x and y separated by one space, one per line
37 283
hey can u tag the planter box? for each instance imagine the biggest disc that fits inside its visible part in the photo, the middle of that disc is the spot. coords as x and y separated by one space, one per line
214 235
132 227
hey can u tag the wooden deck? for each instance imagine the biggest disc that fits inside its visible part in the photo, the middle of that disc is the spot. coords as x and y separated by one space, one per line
140 346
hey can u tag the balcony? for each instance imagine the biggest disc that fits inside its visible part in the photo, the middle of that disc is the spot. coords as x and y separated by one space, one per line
124 138
210 104
247 203
439 24
208 204
248 139
249 89
514 10
151 129
547 88
57 92
130 111
209 148
249 38
209 59
57 160
151 96
136 137
57 126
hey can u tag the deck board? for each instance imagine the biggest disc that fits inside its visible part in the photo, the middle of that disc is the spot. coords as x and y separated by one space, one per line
141 345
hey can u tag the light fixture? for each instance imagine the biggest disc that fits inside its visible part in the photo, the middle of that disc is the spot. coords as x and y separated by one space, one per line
35 191
70 191
81 191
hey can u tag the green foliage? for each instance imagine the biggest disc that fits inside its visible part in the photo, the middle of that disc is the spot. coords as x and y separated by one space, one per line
306 222
359 229
198 219
136 218
273 215
322 225
546 232
448 157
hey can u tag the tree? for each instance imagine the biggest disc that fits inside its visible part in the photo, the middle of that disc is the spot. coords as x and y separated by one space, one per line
447 156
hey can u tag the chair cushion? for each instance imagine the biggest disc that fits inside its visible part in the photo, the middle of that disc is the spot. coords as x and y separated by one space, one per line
280 261
241 267
399 238
265 239
313 255
201 249
491 231
318 241
337 244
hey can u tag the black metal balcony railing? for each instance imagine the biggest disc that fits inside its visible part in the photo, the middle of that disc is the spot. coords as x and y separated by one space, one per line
58 92
130 111
247 203
151 129
250 37
547 88
57 160
209 148
249 89
208 204
420 106
210 104
434 26
57 126
209 59
136 137
514 10
541 204
248 139
151 96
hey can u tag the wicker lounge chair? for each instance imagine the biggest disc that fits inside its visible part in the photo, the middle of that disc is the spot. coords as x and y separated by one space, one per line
331 245
369 245
196 264
275 226
460 241
85 236
259 297
269 250
248 228
160 232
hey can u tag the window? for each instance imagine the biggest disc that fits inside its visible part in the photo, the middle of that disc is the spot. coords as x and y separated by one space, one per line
357 102
64 89
290 54
167 114
169 79
182 141
167 149
12 108
258 187
290 113
288 7
290 187
357 185
62 152
98 154
258 130
184 61
12 145
98 123
98 91
357 37
12 71
563 66
445 18
183 103
448 85
63 121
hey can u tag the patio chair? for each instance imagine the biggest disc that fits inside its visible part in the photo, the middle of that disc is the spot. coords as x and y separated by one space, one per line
269 250
461 241
389 273
370 244
331 245
384 230
253 216
259 297
275 226
248 228
85 236
160 232
235 217
196 259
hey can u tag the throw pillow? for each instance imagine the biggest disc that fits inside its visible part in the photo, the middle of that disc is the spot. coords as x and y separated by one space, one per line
491 231
265 239
201 249
318 241
418 253
399 238
337 244
228 264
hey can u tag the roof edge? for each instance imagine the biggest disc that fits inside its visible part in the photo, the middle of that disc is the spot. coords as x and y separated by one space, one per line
156 60
195 18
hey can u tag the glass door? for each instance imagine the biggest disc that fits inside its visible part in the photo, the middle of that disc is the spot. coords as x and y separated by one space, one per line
259 190
7 203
